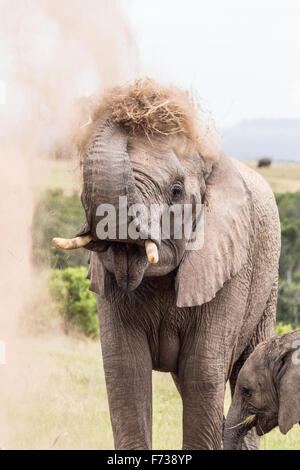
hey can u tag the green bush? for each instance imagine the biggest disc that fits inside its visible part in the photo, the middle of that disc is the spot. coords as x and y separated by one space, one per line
56 215
289 212
288 307
282 328
69 290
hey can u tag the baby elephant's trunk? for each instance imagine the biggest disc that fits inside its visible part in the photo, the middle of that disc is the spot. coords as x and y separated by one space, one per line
236 426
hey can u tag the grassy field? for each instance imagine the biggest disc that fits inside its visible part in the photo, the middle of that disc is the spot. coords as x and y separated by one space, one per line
282 177
54 174
61 402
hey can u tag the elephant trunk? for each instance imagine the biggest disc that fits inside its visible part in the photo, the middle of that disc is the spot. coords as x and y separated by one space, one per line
108 176
106 171
238 423
232 432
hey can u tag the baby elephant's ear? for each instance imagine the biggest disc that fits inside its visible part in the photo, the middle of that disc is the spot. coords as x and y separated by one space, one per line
289 390
228 231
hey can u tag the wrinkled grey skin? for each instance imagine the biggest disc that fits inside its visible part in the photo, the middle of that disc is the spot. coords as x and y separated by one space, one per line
268 387
196 314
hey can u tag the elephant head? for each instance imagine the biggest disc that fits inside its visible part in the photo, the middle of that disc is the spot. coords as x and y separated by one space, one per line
147 143
267 391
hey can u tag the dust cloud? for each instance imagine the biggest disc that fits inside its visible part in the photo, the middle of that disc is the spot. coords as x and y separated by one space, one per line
52 53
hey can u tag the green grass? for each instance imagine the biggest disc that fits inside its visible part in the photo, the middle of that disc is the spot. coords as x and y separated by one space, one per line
60 400
63 174
282 177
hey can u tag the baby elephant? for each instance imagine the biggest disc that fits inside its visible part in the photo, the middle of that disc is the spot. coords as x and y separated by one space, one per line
267 391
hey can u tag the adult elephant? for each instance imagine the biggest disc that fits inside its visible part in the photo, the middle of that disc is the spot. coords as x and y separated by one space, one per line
195 313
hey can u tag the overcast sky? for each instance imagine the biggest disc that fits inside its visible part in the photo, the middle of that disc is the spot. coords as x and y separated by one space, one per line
243 57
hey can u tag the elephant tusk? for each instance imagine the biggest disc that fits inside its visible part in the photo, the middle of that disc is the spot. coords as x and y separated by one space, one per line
246 421
151 251
72 243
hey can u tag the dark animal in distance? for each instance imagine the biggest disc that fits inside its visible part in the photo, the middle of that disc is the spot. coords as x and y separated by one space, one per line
264 162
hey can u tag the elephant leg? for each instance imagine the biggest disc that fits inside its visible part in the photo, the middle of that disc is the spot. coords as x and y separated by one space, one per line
128 375
204 362
264 330
202 397
201 383
191 441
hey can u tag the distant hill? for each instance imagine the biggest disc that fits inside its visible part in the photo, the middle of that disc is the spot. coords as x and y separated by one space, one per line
275 138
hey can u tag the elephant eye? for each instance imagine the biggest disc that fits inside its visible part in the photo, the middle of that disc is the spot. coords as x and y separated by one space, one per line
246 392
177 192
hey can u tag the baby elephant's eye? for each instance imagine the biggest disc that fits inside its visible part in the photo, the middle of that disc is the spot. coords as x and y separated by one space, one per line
177 192
246 392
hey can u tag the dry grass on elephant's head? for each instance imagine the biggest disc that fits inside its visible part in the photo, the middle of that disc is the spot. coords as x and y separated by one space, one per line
147 109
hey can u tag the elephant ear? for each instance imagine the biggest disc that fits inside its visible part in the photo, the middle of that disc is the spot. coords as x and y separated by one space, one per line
228 232
289 391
